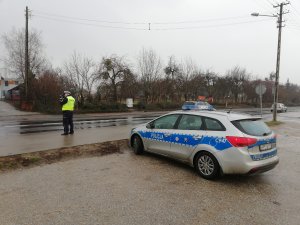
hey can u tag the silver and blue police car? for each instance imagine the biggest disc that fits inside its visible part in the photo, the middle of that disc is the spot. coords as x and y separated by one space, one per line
212 142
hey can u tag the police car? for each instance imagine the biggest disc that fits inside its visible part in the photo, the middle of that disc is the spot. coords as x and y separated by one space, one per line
212 142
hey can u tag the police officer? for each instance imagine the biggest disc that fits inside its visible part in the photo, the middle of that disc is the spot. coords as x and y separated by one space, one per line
68 103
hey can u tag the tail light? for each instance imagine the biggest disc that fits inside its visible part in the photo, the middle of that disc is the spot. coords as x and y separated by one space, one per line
241 141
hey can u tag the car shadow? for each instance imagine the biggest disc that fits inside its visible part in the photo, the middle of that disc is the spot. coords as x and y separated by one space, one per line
227 179
172 162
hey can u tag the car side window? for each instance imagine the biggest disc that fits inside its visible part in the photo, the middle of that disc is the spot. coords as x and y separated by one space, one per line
213 124
166 122
190 122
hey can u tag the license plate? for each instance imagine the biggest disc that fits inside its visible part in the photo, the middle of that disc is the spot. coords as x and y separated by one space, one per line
265 147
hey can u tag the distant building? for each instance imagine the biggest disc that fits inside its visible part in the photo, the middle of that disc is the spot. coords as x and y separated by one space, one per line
7 84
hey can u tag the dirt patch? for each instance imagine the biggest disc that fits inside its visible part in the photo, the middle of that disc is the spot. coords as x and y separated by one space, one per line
273 123
60 154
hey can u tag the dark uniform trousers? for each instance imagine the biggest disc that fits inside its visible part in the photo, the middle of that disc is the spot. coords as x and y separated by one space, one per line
68 121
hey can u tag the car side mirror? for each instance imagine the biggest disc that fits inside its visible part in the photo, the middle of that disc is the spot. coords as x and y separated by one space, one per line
150 125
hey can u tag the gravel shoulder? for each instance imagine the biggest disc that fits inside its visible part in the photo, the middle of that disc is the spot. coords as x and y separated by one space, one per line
123 188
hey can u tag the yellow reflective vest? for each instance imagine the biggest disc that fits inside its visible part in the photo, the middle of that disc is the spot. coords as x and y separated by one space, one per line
69 105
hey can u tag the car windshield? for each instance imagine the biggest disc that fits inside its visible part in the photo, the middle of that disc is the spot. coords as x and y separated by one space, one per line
252 127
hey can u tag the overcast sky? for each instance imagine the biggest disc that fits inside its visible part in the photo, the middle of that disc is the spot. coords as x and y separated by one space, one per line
216 34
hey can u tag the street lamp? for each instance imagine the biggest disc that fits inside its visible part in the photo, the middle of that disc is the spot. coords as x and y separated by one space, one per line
279 16
257 14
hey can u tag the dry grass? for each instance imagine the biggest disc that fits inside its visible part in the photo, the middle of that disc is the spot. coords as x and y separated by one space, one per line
273 123
55 155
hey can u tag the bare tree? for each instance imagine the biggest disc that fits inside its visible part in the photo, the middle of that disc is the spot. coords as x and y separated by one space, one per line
46 91
237 78
129 86
172 72
210 79
221 89
14 43
172 68
113 70
149 65
188 71
82 73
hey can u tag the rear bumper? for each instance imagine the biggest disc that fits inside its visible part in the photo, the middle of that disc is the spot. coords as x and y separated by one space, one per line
239 162
261 169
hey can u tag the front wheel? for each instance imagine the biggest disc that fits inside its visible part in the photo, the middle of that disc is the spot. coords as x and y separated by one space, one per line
137 145
207 165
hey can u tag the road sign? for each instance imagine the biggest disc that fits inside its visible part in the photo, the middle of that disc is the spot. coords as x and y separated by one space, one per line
260 89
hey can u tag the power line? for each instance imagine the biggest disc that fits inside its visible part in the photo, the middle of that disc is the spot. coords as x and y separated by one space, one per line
295 9
84 19
203 20
167 28
293 16
294 25
212 26
270 2
89 24
293 28
40 13
262 5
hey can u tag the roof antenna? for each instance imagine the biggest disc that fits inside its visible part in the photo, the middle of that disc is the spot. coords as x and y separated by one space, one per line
229 110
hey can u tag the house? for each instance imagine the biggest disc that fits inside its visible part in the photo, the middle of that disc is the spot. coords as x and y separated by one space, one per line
13 93
7 84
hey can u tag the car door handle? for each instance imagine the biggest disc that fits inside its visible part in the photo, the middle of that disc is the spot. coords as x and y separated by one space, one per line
167 134
197 137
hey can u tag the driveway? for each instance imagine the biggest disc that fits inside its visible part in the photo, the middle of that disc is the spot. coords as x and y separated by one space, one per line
8 110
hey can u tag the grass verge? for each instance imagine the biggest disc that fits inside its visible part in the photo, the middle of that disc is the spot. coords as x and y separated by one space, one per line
273 123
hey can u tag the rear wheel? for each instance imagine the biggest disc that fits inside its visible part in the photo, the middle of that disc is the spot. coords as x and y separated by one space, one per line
137 145
207 165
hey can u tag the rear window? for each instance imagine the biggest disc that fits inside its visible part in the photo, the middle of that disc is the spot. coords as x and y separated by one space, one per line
252 127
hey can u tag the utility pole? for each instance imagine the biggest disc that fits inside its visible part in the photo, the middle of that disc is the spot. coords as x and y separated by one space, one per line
278 57
26 56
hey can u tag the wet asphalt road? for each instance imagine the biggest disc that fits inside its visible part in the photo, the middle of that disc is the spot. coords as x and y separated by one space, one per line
38 123
22 132
35 133
148 189
28 132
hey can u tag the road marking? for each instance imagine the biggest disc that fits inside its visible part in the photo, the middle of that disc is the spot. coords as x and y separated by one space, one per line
79 122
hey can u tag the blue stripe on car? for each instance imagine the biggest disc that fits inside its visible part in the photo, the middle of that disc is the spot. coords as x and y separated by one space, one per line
262 156
263 141
188 140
